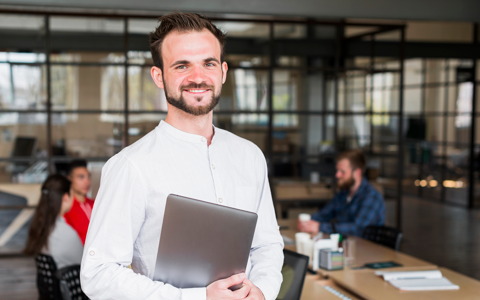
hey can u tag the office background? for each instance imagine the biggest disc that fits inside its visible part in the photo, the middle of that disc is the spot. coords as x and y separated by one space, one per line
304 83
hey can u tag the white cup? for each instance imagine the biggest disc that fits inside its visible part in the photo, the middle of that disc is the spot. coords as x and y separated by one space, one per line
300 239
304 217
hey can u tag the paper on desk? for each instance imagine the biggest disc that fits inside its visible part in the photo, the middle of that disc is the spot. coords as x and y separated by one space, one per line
424 284
388 276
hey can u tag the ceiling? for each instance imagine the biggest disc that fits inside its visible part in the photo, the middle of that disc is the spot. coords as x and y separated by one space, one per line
440 10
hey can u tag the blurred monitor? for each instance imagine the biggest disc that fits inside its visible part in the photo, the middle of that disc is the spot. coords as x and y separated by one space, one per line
24 146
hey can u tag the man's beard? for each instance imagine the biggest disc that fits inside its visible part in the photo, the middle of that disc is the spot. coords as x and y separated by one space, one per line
181 104
347 184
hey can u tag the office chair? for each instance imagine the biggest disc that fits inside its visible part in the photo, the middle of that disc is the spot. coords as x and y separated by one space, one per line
294 269
69 278
47 283
386 236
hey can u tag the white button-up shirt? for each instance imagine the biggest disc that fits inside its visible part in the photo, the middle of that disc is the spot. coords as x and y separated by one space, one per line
128 213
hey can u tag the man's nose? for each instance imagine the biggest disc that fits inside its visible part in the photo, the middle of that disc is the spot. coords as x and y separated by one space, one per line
196 75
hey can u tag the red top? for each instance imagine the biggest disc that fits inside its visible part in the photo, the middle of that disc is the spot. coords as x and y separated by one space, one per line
79 217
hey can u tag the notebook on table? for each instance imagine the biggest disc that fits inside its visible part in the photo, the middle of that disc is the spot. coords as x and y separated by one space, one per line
418 280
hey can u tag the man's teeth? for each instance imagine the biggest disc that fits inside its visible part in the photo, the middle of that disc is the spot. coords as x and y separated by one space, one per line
197 91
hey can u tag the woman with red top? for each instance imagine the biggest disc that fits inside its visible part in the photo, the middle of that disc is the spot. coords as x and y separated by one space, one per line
79 216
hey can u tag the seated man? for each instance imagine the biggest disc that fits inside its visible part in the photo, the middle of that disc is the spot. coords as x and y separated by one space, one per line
357 205
79 216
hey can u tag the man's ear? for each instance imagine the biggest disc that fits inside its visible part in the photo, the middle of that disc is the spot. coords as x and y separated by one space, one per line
224 71
157 76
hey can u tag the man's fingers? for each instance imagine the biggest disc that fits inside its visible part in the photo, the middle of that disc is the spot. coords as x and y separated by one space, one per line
232 280
243 291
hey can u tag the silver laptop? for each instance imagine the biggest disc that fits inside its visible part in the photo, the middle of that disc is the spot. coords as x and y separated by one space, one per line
202 242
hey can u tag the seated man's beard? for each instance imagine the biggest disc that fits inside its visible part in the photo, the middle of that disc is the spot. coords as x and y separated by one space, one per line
181 104
347 184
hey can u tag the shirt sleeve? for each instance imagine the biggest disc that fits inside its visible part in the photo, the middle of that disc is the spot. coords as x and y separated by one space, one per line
327 213
266 254
369 212
117 218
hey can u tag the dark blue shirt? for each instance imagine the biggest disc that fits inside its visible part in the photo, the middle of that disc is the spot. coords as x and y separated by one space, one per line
366 208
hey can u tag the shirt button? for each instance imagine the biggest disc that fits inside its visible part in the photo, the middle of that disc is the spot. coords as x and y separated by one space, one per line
92 253
213 166
220 200
204 139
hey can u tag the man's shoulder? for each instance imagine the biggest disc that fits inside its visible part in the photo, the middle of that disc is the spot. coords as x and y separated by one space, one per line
372 192
232 140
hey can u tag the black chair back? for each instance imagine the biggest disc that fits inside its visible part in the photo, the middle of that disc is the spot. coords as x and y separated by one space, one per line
47 282
70 283
383 235
294 269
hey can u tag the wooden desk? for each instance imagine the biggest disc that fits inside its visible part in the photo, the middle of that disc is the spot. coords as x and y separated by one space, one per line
369 286
365 251
314 288
365 284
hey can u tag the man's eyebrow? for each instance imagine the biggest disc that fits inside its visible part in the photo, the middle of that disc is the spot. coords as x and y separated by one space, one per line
210 59
180 62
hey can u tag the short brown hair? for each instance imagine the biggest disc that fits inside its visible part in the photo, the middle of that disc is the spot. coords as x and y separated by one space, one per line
181 22
355 157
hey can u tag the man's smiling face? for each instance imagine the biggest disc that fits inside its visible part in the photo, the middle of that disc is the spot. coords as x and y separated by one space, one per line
192 71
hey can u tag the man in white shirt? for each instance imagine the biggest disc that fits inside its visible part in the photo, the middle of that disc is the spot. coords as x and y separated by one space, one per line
183 155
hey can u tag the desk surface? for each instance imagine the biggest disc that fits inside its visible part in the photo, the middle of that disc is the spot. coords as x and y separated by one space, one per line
370 286
367 285
365 251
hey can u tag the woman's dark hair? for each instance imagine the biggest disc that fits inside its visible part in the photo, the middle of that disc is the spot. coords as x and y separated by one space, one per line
43 222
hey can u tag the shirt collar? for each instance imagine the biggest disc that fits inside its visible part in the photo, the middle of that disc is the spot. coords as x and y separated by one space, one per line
182 135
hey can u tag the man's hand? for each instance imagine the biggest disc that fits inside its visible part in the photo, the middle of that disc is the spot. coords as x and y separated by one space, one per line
255 292
312 227
218 290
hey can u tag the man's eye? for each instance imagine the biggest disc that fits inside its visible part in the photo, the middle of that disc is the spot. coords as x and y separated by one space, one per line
181 67
210 65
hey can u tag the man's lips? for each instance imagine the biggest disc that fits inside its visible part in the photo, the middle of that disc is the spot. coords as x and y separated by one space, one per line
196 91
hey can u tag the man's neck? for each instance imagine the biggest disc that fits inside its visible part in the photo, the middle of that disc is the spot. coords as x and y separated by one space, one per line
199 125
80 198
355 187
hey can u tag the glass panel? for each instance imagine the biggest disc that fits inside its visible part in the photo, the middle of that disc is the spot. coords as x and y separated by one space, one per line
89 57
23 137
244 29
75 34
435 99
290 31
439 31
413 71
143 93
435 70
291 61
353 132
247 61
22 87
252 127
92 88
141 124
287 90
88 135
21 57
412 102
458 130
245 90
140 58
86 24
385 134
142 26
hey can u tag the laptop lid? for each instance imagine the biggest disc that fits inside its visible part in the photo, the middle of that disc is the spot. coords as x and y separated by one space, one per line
202 242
